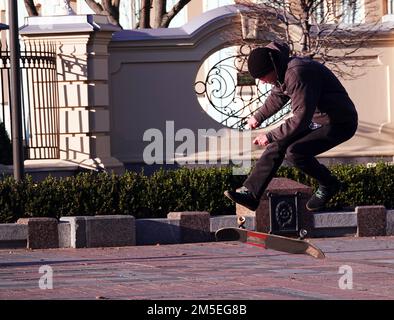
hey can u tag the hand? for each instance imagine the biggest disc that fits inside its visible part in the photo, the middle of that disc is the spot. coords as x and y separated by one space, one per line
261 140
253 123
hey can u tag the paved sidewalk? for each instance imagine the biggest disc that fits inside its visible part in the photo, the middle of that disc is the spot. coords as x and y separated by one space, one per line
227 270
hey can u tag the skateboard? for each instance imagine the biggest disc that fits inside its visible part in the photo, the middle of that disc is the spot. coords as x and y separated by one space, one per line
269 241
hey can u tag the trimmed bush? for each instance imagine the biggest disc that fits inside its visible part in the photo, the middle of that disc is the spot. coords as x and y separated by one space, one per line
173 190
363 185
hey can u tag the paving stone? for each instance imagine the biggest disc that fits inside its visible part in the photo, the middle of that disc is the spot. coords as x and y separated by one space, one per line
223 271
371 221
42 233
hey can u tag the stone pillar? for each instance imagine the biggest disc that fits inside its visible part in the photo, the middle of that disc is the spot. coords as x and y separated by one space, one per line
42 232
371 221
280 186
82 67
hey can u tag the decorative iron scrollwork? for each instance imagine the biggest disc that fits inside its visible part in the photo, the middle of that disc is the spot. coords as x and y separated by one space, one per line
233 93
284 214
283 211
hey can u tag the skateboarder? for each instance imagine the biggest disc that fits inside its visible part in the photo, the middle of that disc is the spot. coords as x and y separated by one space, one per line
323 117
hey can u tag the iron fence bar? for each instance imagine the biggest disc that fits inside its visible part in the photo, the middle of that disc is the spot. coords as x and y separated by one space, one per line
9 92
44 137
39 96
2 89
28 120
24 128
56 97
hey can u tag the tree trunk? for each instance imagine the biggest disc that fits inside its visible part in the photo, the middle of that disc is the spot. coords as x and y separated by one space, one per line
31 8
145 14
159 9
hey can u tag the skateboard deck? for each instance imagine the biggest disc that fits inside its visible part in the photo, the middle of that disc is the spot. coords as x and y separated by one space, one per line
269 241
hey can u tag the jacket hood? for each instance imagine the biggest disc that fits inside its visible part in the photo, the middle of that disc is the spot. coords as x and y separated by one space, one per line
282 48
284 52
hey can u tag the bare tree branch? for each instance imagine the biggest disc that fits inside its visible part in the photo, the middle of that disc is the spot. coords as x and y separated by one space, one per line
166 18
109 8
315 28
96 7
31 8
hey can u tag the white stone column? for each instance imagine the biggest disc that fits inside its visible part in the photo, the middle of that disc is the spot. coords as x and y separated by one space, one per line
82 67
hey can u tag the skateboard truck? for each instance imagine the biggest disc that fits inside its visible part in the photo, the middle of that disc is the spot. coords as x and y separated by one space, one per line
241 220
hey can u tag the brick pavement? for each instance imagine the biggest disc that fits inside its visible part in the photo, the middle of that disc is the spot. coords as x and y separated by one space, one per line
227 270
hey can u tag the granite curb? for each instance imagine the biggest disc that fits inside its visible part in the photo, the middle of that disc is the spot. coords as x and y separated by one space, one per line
178 227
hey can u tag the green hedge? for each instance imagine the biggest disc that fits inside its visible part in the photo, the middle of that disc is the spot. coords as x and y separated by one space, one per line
172 190
130 193
363 185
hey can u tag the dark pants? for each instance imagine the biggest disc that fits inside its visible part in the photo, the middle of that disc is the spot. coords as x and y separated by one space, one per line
301 152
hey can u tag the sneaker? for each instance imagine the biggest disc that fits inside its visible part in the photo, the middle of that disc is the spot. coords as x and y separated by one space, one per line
243 197
322 196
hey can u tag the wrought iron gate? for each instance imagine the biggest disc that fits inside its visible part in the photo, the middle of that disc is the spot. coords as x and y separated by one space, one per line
40 98
233 93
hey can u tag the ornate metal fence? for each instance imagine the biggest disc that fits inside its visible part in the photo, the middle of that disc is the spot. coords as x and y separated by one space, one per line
234 95
40 98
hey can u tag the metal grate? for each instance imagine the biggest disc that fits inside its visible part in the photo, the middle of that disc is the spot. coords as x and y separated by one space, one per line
40 98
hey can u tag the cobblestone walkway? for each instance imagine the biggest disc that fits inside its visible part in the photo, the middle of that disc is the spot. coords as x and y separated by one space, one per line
227 270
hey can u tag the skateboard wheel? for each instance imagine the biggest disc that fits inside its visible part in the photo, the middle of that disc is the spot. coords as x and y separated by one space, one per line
241 221
303 233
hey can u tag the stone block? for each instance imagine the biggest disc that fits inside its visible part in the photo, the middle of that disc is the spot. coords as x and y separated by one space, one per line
390 223
281 186
101 231
77 231
64 230
13 235
42 233
334 219
13 231
371 221
194 225
230 221
157 231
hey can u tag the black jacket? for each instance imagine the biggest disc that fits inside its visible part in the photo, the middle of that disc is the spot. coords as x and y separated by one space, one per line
316 95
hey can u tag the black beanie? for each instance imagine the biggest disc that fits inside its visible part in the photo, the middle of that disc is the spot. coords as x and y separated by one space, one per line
260 62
